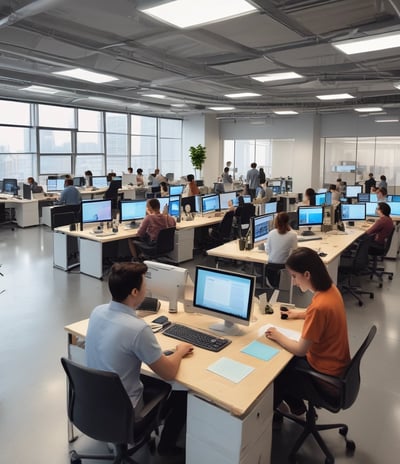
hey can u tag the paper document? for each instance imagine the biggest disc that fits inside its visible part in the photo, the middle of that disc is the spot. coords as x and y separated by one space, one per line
293 334
260 350
230 369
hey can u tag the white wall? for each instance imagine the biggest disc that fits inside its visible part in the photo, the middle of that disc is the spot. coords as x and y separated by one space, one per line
193 133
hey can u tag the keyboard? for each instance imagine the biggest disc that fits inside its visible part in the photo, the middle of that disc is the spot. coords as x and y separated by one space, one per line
195 337
307 238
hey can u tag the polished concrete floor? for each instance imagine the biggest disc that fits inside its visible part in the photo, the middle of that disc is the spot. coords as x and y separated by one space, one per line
39 301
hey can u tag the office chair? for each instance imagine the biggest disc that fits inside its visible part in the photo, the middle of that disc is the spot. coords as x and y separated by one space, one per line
355 265
380 253
161 248
99 406
112 193
222 232
347 388
243 215
272 274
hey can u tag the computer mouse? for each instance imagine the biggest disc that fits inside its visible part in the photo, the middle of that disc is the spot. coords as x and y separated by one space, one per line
169 352
284 316
322 254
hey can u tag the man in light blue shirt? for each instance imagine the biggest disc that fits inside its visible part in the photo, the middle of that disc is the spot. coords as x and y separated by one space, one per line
253 180
70 195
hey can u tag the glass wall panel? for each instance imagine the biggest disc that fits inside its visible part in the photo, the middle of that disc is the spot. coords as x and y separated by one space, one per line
55 141
17 140
171 128
15 113
55 164
94 163
89 120
365 158
117 123
89 142
18 166
170 157
147 163
56 116
387 161
263 156
340 160
143 125
117 164
244 156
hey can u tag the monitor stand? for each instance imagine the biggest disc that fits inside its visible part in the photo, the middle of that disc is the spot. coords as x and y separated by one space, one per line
307 232
228 328
132 225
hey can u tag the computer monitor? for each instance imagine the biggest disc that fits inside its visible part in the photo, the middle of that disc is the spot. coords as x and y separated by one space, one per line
55 184
99 181
260 227
132 210
373 197
225 198
26 192
166 282
193 201
353 190
309 216
322 190
164 202
395 198
271 207
363 197
174 206
276 189
224 294
78 182
10 186
96 211
209 203
176 189
353 212
247 198
370 209
128 179
394 208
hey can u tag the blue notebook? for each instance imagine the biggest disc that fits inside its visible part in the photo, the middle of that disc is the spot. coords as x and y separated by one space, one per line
260 350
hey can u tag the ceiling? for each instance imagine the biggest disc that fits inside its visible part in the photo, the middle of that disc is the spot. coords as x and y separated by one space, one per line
194 68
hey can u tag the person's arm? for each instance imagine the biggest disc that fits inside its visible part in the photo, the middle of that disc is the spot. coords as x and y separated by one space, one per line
141 232
167 366
374 229
299 348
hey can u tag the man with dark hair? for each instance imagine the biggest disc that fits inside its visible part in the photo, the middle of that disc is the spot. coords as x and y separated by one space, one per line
151 225
253 180
371 182
70 195
119 341
191 188
382 228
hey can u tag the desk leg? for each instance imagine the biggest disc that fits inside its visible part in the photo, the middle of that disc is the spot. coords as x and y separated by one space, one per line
215 435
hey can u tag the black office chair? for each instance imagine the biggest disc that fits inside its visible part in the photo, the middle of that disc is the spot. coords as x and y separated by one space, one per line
99 406
112 193
243 215
380 253
355 265
222 232
272 274
164 245
318 386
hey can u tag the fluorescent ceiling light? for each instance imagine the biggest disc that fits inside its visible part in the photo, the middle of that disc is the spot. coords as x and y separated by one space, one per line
154 95
221 108
187 13
276 77
397 85
369 44
39 89
242 95
368 109
86 75
286 112
179 105
387 120
337 96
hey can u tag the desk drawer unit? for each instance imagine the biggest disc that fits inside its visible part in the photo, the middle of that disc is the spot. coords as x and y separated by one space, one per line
183 250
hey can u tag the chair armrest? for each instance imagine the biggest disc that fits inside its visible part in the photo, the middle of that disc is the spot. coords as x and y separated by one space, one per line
151 405
330 379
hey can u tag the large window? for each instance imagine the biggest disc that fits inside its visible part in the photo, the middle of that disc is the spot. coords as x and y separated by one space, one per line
170 146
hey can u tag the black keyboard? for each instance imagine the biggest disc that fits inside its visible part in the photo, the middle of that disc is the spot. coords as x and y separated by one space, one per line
195 337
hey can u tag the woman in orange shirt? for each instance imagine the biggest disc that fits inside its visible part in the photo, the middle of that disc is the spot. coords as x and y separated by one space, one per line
324 344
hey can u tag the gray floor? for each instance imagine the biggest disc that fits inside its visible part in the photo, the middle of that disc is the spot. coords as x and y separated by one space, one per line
39 301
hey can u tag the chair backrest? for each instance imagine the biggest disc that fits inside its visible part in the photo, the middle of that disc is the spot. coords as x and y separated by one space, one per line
244 213
64 215
225 226
361 259
112 191
351 379
388 242
166 240
98 404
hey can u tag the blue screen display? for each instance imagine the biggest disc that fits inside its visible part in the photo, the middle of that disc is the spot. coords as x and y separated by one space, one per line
310 215
210 203
354 212
96 211
130 210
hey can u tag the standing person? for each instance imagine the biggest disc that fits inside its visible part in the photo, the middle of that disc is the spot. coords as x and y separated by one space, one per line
323 345
130 170
370 182
164 189
156 178
226 177
139 177
70 195
151 226
253 180
119 341
191 188
382 182
335 194
382 228
262 176
88 178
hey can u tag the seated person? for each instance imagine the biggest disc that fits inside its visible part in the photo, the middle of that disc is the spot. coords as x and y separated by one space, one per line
243 213
226 177
191 188
335 194
382 228
151 226
309 198
381 194
88 178
139 177
70 195
281 241
130 170
35 188
323 345
119 341
164 189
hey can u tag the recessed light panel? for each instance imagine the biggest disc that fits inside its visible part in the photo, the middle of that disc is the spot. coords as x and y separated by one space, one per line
221 108
286 112
336 96
242 95
277 77
368 109
369 44
39 89
85 75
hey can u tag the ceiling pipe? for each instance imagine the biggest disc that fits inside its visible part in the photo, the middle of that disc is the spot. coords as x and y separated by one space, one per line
34 8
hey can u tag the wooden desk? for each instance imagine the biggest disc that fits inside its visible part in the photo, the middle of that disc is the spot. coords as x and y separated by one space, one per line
26 211
332 245
227 423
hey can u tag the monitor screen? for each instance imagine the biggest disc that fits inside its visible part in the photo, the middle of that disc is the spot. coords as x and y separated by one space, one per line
55 185
78 181
353 190
26 191
209 203
10 186
319 199
355 212
260 227
310 215
224 294
128 179
224 199
96 211
166 282
194 202
363 197
276 189
271 207
373 197
322 190
164 202
370 209
132 210
394 208
176 189
395 198
99 181
174 206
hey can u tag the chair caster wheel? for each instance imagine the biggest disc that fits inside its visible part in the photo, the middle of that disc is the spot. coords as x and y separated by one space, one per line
371 295
360 303
390 277
350 446
344 430
74 458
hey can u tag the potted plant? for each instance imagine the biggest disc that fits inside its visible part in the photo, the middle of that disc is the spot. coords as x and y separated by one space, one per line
198 156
